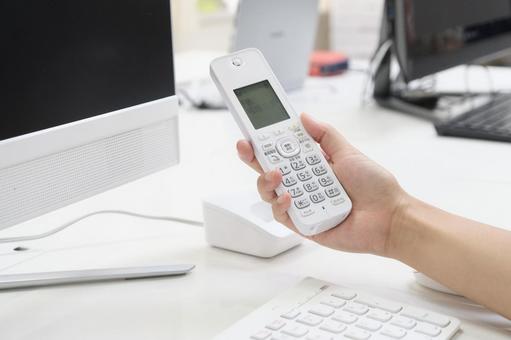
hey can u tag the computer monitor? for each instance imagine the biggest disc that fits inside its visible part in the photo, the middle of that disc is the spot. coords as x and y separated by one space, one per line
434 35
87 100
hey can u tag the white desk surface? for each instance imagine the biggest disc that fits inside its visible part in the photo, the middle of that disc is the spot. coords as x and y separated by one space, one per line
463 176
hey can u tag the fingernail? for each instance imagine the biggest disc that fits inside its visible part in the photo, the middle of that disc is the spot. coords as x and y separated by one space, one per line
243 157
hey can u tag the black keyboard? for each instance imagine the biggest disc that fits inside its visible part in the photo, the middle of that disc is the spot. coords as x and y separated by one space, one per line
491 121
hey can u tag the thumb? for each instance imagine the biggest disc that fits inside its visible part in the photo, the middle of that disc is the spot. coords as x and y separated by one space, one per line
331 141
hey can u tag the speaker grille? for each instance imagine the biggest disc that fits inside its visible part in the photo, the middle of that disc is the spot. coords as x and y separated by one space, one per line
36 187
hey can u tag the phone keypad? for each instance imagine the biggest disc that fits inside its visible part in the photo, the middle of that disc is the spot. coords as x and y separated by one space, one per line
306 178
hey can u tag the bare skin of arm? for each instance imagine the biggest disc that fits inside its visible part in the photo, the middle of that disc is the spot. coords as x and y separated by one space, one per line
470 258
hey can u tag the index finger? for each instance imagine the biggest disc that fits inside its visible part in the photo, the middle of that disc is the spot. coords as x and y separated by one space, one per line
246 153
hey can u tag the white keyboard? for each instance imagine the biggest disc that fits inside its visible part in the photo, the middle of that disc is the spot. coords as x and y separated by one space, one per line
317 310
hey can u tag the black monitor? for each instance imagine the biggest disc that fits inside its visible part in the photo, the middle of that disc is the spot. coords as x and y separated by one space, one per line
434 35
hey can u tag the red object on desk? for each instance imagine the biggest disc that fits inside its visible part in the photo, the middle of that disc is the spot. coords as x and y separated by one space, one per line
327 63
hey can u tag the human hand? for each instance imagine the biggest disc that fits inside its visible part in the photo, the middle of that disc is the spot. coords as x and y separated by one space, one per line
376 195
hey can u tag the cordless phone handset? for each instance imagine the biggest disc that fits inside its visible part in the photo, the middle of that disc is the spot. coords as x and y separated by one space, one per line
261 108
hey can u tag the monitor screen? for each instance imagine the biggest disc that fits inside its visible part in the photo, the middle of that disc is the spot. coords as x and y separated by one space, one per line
64 61
433 35
261 104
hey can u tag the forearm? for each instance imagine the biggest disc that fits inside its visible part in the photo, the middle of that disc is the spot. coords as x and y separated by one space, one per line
471 258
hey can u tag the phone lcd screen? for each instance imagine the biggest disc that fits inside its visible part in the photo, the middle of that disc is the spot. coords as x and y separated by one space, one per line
261 104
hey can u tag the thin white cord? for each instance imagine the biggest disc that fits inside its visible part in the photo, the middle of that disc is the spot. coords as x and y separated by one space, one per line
101 212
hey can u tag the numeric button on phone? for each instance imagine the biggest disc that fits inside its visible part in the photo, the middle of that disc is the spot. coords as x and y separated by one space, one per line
302 203
304 175
289 181
333 192
317 197
319 170
295 192
297 164
285 170
311 186
326 181
313 159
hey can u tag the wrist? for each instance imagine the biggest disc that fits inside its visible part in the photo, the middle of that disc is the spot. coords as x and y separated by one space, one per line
401 235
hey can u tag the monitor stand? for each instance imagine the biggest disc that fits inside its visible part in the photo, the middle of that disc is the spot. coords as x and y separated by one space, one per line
392 92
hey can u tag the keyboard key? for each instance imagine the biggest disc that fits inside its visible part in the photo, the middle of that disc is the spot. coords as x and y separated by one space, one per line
429 330
276 325
295 330
344 294
345 317
394 332
291 315
318 336
437 320
310 320
357 334
322 310
333 302
356 308
379 315
261 335
421 315
307 146
381 304
369 325
333 327
401 321
282 337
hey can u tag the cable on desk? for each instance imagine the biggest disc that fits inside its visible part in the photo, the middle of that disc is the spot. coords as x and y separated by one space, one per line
101 212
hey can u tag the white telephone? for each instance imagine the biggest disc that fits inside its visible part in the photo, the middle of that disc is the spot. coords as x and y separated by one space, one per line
260 107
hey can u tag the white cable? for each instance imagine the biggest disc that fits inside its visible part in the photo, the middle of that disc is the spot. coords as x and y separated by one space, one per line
101 212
